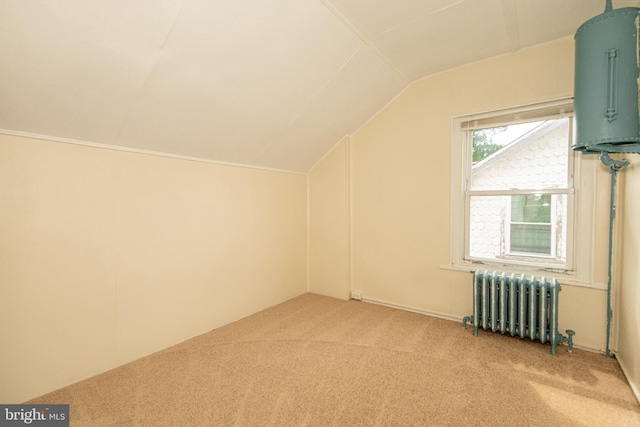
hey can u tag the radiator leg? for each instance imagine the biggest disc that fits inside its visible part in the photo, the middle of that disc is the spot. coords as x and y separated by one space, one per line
465 320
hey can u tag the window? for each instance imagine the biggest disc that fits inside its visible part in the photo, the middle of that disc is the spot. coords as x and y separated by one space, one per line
515 192
530 227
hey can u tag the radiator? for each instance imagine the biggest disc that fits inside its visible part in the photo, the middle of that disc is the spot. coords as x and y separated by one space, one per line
518 305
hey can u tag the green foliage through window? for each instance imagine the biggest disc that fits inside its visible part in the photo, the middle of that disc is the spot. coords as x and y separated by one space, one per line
483 145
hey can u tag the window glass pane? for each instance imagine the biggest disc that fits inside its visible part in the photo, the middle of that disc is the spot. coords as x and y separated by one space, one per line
497 232
530 155
486 226
531 208
531 238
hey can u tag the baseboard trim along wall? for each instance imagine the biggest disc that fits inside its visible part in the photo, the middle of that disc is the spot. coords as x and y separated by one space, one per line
413 309
459 320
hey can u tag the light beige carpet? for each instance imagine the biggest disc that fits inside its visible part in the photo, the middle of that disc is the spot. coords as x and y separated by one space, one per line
318 361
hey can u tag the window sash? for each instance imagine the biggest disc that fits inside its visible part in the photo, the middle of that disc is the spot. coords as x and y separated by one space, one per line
567 112
580 207
512 257
548 110
554 111
517 192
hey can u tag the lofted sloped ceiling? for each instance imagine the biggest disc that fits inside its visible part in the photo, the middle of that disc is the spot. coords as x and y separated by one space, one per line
267 83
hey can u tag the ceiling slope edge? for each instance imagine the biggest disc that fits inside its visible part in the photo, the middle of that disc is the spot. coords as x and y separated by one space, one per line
113 147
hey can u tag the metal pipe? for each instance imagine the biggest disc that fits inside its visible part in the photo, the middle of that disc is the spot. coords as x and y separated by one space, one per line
608 7
614 167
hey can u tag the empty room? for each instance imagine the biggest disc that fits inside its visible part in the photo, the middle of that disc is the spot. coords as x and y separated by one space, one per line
320 212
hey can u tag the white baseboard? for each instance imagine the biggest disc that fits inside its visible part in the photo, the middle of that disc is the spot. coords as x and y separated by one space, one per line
451 318
414 309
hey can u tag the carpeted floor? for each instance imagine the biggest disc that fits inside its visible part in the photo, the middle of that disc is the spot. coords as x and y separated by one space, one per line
318 361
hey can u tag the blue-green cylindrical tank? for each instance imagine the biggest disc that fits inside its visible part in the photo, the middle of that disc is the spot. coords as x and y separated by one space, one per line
606 83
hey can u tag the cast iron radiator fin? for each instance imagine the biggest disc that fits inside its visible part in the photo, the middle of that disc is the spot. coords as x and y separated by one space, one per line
520 305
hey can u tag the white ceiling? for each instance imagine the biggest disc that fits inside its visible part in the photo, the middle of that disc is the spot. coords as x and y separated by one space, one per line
269 83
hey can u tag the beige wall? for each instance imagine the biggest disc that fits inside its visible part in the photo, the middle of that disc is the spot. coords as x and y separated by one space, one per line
400 183
628 312
106 256
329 224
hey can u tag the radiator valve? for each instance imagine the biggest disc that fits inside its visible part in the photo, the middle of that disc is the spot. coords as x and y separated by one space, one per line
569 339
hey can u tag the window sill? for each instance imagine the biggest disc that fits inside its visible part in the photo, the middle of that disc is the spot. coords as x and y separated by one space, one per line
564 279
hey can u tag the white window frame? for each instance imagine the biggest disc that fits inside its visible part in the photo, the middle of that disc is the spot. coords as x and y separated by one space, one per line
580 212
